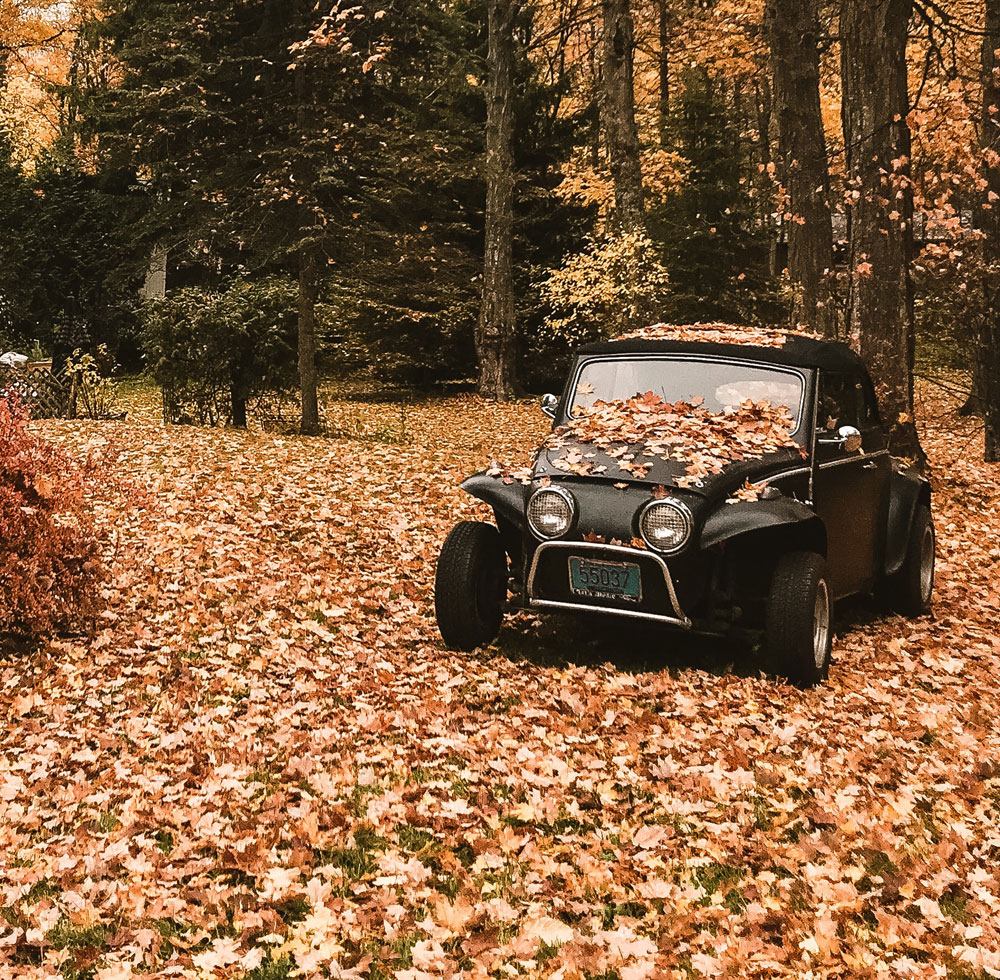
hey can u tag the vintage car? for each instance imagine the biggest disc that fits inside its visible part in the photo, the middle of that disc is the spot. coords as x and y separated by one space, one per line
707 480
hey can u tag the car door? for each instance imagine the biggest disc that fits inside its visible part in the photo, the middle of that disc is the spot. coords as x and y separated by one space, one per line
851 488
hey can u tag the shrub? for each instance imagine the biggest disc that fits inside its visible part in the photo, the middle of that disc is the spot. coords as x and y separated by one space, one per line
50 567
616 284
215 353
93 387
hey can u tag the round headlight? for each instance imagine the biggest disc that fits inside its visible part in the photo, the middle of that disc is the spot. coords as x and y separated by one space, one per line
550 512
666 525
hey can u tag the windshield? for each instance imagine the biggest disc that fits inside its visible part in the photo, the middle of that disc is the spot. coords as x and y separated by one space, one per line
722 384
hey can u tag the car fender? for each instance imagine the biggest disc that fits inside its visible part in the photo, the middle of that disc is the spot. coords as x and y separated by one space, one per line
506 499
736 520
907 492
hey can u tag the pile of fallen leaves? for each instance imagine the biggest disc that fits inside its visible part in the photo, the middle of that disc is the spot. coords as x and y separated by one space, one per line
718 333
649 427
265 764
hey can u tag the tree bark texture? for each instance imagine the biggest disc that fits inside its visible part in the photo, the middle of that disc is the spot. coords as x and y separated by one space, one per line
308 379
496 332
618 115
877 136
663 67
793 32
989 337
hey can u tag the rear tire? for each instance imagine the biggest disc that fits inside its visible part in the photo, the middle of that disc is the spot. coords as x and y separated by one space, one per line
911 590
800 618
470 589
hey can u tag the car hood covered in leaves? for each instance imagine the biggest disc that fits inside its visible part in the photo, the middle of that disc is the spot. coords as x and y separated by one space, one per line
647 440
585 461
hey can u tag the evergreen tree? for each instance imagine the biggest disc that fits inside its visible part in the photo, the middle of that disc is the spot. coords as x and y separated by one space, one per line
63 271
716 258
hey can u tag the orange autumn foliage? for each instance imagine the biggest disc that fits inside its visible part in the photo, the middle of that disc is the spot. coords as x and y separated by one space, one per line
50 568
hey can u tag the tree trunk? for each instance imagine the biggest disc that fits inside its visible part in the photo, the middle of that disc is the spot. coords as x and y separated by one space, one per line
973 405
663 65
496 332
877 136
989 339
308 294
793 32
238 403
618 115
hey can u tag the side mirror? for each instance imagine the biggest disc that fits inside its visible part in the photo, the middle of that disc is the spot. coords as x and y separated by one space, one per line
847 436
550 405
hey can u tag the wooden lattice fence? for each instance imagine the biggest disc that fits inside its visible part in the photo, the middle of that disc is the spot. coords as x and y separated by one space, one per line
49 393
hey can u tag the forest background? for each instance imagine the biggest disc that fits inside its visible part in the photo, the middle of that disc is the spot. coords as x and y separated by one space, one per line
428 192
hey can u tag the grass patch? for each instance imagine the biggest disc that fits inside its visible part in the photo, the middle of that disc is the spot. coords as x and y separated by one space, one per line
107 822
465 854
272 969
762 818
546 952
629 910
65 935
357 803
953 903
293 910
169 930
358 861
714 876
41 890
414 838
449 886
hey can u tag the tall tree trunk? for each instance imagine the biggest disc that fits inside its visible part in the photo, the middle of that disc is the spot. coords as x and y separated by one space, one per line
877 136
618 115
988 373
308 379
663 65
793 32
496 332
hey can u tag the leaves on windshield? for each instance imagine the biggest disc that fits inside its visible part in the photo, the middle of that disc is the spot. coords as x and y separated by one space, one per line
718 333
635 431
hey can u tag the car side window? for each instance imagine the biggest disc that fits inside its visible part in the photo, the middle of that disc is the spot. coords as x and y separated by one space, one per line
840 402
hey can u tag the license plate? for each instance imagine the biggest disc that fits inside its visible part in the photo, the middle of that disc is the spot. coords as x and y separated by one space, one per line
605 579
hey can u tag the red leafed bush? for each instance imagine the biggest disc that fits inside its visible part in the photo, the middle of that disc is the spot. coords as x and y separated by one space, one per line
50 567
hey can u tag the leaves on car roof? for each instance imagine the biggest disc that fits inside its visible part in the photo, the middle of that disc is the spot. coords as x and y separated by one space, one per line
718 333
637 430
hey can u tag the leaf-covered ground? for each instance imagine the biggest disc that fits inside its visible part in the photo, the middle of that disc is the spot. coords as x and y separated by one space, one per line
265 763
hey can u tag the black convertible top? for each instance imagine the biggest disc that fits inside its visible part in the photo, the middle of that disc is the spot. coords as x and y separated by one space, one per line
797 352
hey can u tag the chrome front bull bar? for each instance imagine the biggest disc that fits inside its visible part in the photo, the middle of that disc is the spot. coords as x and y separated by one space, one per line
677 619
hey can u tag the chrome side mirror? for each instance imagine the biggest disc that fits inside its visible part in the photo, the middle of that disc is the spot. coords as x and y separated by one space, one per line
550 405
847 436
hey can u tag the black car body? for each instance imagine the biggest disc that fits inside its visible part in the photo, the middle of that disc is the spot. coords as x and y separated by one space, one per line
762 545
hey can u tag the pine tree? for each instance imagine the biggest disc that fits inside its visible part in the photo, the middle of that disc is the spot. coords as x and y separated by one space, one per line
714 255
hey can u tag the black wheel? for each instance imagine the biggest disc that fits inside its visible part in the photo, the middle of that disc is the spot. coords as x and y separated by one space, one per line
800 618
470 590
911 589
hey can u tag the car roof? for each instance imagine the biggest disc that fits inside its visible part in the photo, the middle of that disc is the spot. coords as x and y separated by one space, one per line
797 352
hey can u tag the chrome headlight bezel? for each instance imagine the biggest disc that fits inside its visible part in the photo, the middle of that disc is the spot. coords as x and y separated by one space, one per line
679 507
567 498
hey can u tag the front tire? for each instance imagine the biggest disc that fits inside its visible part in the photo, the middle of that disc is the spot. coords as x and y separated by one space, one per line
470 589
800 618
